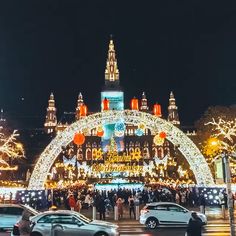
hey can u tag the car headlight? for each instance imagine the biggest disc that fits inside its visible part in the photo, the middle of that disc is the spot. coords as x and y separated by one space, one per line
114 230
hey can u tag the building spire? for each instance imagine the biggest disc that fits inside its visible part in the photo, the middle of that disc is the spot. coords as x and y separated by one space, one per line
80 102
51 118
111 71
173 115
144 106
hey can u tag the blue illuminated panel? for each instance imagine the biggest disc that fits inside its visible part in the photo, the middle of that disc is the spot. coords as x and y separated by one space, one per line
116 102
116 99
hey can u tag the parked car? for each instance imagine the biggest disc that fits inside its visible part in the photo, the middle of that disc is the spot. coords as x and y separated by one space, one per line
65 222
11 213
166 213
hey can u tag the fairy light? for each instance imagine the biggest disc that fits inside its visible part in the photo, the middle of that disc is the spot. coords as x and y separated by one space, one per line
189 150
9 148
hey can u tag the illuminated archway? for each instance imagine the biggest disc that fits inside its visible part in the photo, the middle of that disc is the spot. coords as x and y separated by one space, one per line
192 154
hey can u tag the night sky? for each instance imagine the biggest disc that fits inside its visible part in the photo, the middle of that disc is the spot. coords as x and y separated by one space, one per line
61 46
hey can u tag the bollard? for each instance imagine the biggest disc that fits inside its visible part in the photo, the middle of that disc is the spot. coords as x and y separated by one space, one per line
223 210
137 212
202 210
115 213
94 213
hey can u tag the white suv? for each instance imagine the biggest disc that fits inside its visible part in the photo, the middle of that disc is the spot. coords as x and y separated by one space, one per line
166 213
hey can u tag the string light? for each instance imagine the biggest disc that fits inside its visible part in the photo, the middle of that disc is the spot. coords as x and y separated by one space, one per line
9 148
189 150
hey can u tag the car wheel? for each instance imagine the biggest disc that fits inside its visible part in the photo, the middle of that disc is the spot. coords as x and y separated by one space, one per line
101 234
152 223
35 234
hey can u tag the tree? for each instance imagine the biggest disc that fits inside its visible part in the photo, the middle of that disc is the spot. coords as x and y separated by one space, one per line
10 148
217 122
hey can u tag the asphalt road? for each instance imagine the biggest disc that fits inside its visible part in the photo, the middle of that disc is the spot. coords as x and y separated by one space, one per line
212 229
134 228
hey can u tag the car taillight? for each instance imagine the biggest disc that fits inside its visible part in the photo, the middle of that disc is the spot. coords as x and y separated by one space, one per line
144 211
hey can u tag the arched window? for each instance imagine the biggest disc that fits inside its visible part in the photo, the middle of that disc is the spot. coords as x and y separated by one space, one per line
154 152
160 152
88 154
80 154
146 153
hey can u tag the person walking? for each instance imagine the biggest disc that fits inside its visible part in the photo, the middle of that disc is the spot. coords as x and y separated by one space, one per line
194 226
202 203
102 208
78 206
87 200
24 224
131 206
177 198
119 204
72 202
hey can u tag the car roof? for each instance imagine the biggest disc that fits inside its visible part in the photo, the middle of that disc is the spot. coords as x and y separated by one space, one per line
60 212
57 212
11 205
162 203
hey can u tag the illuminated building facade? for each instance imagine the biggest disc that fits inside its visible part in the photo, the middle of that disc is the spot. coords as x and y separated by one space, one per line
119 139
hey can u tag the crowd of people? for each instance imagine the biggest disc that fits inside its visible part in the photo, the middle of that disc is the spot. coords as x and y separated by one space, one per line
105 201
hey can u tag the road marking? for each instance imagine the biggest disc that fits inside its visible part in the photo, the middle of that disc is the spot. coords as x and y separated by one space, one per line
216 234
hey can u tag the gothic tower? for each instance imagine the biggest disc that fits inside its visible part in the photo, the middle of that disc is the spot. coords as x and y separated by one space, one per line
80 102
144 106
51 118
111 71
173 115
112 90
114 94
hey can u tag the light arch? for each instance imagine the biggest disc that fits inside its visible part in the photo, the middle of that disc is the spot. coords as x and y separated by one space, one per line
185 145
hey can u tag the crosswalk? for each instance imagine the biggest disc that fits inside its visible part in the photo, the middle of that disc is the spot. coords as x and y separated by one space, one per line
129 228
134 228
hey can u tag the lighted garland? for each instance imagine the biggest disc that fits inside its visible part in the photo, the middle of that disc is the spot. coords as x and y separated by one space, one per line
192 154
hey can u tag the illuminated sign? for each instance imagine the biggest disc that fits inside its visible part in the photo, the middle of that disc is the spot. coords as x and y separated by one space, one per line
116 99
107 167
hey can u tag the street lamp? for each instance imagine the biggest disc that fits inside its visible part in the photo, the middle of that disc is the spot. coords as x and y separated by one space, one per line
225 156
229 192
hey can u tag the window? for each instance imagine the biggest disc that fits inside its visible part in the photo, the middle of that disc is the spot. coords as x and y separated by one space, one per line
59 219
158 208
13 211
175 209
2 210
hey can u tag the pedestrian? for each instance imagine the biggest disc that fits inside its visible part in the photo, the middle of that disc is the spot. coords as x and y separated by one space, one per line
202 202
78 206
119 204
177 198
102 208
131 206
87 200
24 224
72 202
194 226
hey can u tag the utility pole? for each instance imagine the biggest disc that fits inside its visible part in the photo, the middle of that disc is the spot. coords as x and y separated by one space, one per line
229 193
